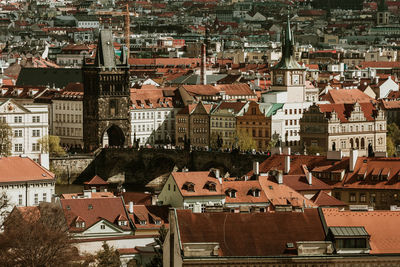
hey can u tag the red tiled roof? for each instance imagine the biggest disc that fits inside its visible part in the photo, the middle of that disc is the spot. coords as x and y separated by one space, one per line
96 180
19 169
390 104
199 179
250 234
382 226
322 199
243 194
343 111
300 183
236 89
93 195
93 210
346 96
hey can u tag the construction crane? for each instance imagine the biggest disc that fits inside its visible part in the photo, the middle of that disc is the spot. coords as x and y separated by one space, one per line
127 22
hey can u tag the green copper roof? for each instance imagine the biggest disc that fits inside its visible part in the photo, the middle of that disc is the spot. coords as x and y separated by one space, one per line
288 61
274 108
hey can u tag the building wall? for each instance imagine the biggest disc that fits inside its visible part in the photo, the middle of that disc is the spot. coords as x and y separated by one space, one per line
67 122
223 123
199 127
170 194
28 124
182 123
379 199
257 125
153 126
28 193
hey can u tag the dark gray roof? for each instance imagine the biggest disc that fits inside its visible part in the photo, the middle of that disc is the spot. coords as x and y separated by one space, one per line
348 231
193 79
105 55
58 77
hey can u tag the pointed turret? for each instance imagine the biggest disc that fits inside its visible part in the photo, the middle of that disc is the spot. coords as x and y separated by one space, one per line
288 61
105 56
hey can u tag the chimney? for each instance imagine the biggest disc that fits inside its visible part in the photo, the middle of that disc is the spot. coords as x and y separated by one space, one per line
353 159
287 150
309 178
280 177
184 169
256 168
217 174
130 207
287 164
87 193
203 77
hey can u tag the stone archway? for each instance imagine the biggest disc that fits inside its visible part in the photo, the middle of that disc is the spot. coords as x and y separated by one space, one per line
113 136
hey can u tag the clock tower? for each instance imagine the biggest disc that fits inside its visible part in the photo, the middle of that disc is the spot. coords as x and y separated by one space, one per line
288 75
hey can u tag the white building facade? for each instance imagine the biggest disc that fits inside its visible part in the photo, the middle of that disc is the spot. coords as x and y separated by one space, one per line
29 123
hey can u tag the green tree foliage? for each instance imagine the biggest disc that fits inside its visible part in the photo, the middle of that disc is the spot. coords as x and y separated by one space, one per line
157 260
51 144
5 139
393 139
245 141
108 257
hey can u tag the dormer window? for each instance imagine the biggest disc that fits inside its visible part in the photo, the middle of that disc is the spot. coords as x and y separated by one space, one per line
256 193
231 193
211 186
142 222
122 223
80 224
188 186
158 222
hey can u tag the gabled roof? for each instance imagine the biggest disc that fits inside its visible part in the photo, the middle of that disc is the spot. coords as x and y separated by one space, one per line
93 210
322 199
382 226
149 214
96 180
235 106
19 169
250 234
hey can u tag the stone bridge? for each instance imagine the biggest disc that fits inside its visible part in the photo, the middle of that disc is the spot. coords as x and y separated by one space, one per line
141 166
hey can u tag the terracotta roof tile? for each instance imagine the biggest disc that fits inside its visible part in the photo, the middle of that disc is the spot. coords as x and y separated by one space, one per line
322 199
18 169
346 96
96 180
244 192
382 226
199 181
92 210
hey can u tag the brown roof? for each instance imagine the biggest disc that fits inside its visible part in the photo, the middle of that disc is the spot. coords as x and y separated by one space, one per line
380 64
137 198
237 89
251 234
96 180
19 169
235 106
382 226
343 111
150 214
93 210
322 199
300 183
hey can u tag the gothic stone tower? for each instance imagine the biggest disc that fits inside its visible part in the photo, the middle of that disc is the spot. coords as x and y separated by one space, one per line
288 75
106 100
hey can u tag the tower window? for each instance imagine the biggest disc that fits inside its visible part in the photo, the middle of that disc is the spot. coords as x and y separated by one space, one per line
113 107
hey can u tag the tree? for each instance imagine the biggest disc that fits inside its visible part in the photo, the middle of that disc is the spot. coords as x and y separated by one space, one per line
108 257
245 141
36 236
51 144
5 139
393 138
157 260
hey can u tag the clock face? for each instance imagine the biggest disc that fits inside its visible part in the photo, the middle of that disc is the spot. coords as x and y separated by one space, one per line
279 79
296 79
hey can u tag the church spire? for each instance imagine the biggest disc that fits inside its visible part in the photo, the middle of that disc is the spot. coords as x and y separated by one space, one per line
288 61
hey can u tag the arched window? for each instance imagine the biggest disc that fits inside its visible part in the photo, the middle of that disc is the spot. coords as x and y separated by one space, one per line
362 143
351 143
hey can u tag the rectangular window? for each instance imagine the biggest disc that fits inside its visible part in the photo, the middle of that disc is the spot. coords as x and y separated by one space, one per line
17 119
36 199
35 133
18 133
35 118
44 197
352 197
20 200
35 147
18 147
363 198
